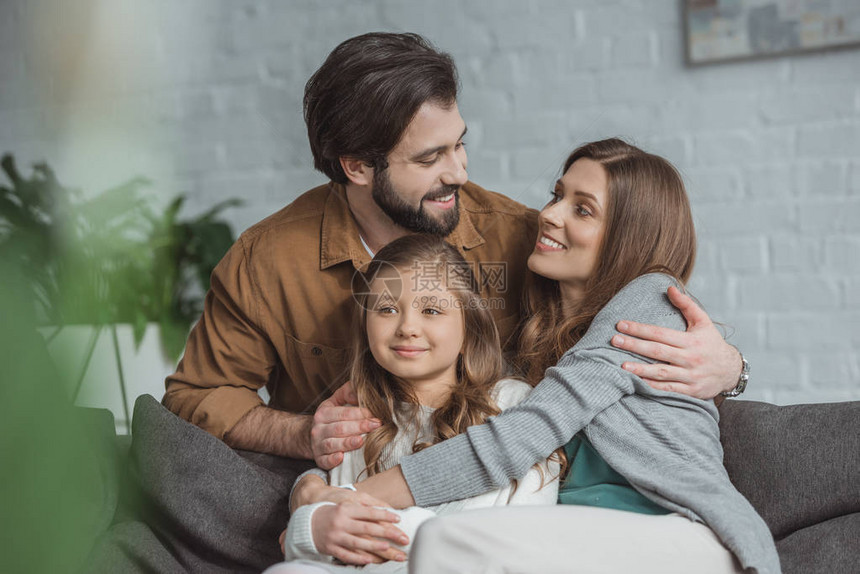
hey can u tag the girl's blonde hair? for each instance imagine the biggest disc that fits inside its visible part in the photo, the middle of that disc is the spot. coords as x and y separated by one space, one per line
649 228
479 367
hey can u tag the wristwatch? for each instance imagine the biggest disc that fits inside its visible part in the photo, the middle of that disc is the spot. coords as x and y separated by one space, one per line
742 380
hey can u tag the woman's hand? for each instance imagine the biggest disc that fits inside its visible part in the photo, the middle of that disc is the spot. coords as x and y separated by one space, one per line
312 489
391 484
700 363
357 534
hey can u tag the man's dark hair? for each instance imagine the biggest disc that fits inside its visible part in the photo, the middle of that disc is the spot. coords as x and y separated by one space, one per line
360 101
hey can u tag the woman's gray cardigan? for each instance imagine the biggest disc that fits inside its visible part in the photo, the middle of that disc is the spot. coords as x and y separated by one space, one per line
666 444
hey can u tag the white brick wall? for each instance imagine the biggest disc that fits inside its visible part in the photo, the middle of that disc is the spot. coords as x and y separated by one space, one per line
204 97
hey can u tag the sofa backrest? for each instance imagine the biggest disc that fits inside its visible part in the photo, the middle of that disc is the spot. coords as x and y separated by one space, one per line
798 465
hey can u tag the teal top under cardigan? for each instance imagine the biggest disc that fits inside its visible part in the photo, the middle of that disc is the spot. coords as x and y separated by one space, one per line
592 482
667 445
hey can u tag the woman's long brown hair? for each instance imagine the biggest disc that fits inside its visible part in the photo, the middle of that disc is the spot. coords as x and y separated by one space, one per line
649 228
479 367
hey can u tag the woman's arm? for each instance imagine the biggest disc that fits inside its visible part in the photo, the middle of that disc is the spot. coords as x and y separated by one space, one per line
587 379
311 488
540 484
537 487
388 485
488 456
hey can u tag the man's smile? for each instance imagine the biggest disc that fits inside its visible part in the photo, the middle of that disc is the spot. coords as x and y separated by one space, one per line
444 202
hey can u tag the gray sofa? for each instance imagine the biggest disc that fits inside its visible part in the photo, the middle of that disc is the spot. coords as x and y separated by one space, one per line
188 503
799 466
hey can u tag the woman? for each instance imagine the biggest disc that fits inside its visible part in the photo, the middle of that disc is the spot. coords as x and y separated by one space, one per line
616 234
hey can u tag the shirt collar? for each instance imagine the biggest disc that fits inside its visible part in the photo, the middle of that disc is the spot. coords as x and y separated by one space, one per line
340 240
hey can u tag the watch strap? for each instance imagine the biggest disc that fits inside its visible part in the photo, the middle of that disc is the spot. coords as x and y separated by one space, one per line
742 380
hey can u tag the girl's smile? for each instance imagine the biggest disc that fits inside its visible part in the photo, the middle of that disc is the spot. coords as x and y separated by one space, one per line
406 351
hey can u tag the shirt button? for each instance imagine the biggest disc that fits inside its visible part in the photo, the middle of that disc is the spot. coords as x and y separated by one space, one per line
316 351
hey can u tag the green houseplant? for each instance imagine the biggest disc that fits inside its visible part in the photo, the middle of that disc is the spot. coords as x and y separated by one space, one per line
109 258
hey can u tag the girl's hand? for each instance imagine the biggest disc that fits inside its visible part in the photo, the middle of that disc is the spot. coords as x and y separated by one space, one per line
357 534
700 363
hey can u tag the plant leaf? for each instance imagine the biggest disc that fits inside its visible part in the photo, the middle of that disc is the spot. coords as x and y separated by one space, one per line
174 333
139 327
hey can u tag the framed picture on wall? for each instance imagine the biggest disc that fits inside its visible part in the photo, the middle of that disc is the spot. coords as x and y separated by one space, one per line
726 30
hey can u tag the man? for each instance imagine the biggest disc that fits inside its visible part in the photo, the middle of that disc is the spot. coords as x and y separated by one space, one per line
384 126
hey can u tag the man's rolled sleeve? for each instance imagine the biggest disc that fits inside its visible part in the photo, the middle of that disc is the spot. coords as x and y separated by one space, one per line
228 356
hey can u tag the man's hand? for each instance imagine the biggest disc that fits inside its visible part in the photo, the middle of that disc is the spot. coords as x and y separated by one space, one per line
339 426
700 363
357 534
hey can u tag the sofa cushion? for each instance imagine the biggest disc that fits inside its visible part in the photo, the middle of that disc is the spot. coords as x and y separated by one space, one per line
193 504
830 546
798 464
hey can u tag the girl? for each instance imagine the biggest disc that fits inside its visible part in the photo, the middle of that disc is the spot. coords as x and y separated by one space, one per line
647 491
428 364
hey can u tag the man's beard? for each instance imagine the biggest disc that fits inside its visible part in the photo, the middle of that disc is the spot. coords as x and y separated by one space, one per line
411 218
